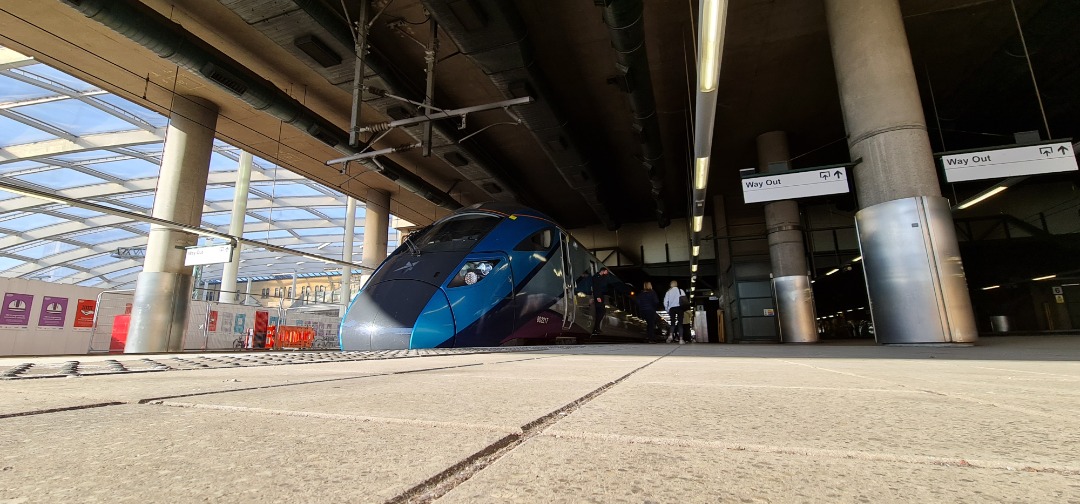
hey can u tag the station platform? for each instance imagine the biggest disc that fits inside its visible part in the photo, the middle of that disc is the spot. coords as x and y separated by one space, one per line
832 422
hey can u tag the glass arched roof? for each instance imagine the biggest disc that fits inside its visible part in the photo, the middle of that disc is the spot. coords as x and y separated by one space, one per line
69 137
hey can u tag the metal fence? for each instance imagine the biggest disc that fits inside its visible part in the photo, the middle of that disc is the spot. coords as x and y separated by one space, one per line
212 325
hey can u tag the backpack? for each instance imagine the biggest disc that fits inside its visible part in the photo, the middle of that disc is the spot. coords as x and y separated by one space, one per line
684 301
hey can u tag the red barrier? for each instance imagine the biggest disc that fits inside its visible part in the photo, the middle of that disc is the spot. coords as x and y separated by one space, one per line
119 333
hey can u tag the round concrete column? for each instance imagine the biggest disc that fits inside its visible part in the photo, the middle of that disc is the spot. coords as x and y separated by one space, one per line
163 289
794 296
376 229
880 100
914 277
236 226
347 250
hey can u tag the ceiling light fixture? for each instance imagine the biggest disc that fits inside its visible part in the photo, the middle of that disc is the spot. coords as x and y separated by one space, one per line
697 223
991 287
834 270
696 249
701 173
981 197
1047 277
713 13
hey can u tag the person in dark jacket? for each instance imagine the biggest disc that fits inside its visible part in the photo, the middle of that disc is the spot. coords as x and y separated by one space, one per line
601 285
648 304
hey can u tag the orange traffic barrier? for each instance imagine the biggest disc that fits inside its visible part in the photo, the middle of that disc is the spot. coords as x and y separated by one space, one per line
298 337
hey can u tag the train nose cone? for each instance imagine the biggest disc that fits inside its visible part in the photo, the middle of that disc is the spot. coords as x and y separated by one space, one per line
384 316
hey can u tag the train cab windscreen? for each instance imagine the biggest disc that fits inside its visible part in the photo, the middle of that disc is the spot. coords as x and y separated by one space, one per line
455 234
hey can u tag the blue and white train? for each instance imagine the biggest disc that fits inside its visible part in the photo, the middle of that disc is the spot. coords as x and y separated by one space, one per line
491 274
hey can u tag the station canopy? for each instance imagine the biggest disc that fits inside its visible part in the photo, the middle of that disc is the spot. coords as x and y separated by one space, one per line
68 137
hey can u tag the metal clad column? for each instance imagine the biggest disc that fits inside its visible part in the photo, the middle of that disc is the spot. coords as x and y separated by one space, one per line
791 284
163 290
376 229
236 227
347 250
887 132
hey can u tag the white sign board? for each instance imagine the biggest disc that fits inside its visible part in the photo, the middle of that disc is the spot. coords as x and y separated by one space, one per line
1012 162
213 254
791 185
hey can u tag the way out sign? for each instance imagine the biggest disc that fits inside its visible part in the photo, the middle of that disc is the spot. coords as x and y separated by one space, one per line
795 184
213 254
1010 162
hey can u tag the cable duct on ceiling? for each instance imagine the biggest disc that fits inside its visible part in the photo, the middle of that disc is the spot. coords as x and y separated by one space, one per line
626 25
171 41
492 34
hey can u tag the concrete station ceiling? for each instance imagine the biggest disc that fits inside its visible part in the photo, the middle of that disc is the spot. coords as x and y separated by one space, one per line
577 154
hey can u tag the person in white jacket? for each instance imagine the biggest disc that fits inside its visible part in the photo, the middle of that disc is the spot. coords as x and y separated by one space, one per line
675 311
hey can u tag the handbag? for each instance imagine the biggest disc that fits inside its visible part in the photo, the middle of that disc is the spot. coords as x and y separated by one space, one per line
684 301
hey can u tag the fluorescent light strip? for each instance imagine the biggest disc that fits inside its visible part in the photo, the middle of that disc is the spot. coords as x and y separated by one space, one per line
980 198
1047 277
991 287
709 64
701 173
857 259
834 270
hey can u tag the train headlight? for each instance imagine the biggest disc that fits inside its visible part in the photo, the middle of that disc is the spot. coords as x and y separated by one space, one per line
473 272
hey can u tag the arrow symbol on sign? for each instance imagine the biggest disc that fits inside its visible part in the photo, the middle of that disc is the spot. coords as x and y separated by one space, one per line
824 175
1046 151
1063 150
838 173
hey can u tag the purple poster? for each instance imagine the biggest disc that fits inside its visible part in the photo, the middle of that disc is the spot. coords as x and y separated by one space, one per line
16 309
53 311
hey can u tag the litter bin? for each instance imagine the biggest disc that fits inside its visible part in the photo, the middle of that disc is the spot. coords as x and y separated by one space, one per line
999 323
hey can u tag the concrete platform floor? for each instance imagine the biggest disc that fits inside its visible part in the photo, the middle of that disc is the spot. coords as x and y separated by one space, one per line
834 422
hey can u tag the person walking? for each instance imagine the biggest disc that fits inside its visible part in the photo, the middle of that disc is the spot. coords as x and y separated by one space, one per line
673 305
601 283
648 303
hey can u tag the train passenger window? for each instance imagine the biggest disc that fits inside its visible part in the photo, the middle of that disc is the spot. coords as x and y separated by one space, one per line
459 233
539 241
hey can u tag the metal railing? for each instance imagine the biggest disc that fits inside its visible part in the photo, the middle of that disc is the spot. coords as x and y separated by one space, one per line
211 326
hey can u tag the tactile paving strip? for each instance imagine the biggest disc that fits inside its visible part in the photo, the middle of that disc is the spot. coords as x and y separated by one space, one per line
30 370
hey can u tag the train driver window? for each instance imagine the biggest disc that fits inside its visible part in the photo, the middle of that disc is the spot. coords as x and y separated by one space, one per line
458 233
538 241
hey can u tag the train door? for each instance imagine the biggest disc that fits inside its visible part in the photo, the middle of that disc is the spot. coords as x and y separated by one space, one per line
569 297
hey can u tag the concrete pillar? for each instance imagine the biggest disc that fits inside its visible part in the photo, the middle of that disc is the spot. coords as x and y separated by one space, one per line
915 281
347 250
376 229
236 226
791 284
163 289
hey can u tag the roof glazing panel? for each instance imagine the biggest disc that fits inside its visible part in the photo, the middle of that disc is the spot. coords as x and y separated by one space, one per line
68 240
14 90
55 76
16 133
28 221
60 178
43 248
154 118
75 117
132 168
103 236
